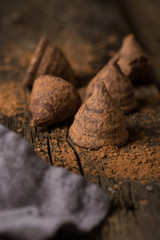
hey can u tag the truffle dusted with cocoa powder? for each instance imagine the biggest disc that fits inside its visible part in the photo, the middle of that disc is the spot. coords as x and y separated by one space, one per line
55 63
48 59
53 100
99 122
35 62
134 62
118 85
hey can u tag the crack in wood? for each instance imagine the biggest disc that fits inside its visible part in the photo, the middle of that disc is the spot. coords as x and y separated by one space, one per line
127 201
49 151
99 181
77 157
60 152
131 206
32 138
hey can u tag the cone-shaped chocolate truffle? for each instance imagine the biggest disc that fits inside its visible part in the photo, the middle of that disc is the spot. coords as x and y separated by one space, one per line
118 85
35 61
53 100
134 62
55 63
48 59
99 121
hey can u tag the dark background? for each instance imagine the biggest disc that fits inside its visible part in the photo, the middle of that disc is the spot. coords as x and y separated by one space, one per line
88 31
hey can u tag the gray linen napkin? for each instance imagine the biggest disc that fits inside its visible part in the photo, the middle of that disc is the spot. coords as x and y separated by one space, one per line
36 199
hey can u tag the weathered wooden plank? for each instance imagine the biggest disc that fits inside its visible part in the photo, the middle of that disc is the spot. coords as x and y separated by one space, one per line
89 32
132 202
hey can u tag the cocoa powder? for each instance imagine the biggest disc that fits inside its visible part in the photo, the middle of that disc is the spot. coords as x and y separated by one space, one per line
136 162
12 99
139 159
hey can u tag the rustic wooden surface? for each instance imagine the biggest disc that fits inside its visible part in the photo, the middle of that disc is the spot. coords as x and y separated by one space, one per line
89 32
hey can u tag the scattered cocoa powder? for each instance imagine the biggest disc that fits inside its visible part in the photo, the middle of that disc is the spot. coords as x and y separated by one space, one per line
139 159
140 163
12 99
19 130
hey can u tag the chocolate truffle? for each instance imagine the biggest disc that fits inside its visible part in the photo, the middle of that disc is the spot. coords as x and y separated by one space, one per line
48 59
118 85
53 100
55 63
99 121
35 62
134 62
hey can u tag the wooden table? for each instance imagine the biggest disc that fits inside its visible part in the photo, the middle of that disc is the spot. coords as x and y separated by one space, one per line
89 32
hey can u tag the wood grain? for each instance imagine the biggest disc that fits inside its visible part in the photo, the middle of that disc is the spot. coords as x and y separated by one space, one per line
89 32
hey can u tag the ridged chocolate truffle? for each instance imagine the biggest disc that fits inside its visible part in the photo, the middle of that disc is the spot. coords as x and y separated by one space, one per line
48 60
118 85
99 121
55 63
134 62
53 100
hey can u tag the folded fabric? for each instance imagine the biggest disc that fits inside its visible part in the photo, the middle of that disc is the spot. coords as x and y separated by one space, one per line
37 200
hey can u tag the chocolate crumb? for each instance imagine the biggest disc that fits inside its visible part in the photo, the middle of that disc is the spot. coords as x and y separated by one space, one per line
149 188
